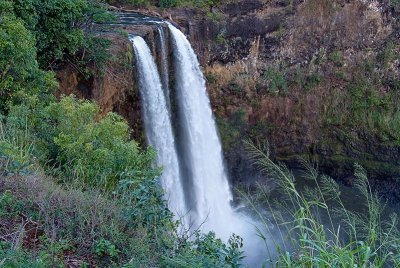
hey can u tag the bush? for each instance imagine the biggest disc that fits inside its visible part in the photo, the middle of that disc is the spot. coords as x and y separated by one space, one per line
275 80
138 3
55 24
68 225
187 3
208 251
81 146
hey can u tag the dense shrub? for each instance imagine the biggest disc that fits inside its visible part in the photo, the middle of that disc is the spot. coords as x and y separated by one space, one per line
208 251
37 33
275 80
20 74
139 3
68 223
55 25
368 103
97 150
15 154
79 144
61 28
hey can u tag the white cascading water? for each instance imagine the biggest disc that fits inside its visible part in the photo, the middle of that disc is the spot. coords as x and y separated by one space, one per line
208 194
201 153
164 65
158 125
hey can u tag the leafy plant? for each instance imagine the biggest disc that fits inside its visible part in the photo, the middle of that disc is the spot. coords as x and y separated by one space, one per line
105 248
215 16
395 3
337 57
313 80
80 145
208 251
275 80
95 150
388 54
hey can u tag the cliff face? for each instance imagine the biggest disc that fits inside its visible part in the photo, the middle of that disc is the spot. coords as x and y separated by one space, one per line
316 78
308 76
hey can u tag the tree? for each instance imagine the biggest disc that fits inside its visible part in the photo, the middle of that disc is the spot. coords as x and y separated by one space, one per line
19 70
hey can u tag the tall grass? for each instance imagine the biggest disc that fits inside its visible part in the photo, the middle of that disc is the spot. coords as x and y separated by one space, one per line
315 227
15 151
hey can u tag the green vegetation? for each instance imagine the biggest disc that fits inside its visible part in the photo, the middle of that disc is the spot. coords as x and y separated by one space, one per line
215 16
388 55
20 74
395 3
232 130
44 224
72 139
37 36
61 28
76 190
344 239
220 40
275 80
90 194
337 58
369 102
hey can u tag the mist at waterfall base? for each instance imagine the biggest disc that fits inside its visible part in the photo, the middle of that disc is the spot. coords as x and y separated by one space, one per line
194 178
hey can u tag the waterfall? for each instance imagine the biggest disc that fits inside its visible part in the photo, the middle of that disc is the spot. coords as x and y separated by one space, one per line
194 177
158 125
164 65
200 149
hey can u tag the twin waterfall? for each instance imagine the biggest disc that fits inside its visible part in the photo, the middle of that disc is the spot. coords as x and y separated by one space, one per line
194 177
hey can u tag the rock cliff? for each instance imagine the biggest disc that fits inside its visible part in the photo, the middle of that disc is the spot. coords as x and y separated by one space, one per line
308 76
